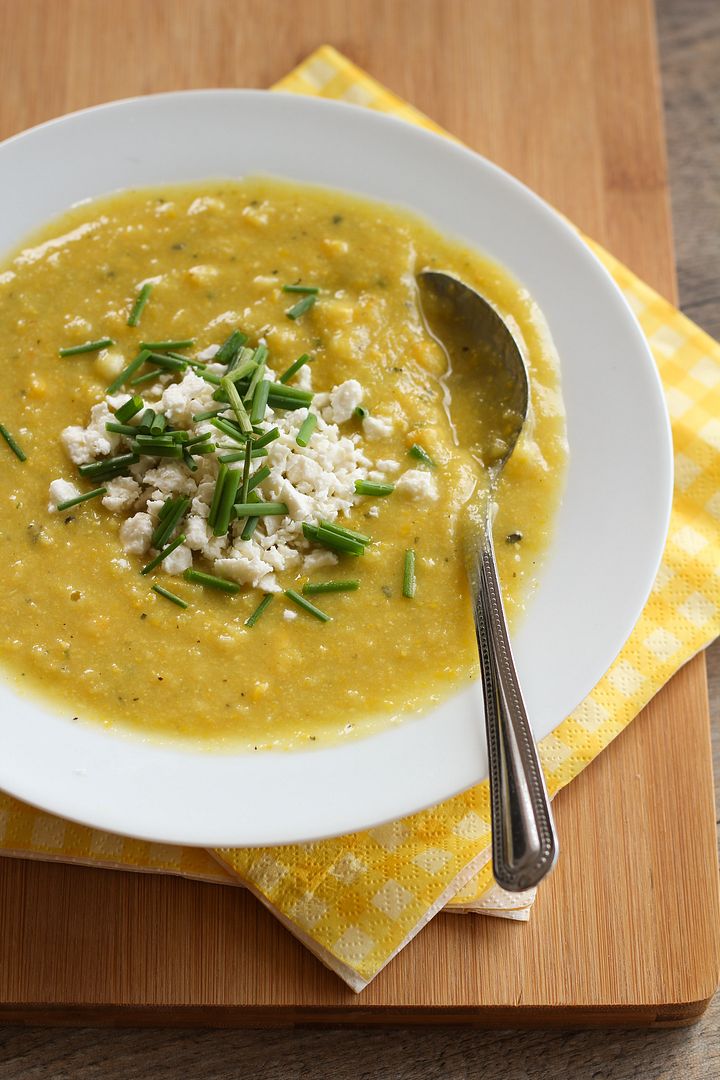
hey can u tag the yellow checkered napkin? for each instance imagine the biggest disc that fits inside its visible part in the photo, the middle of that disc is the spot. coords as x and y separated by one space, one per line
356 901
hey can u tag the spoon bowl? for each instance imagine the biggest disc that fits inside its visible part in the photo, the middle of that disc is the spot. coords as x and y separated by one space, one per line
485 358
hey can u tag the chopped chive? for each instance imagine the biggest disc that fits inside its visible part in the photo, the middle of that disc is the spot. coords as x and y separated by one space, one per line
207 415
198 448
227 499
158 449
208 376
249 528
255 379
167 525
279 400
184 359
259 610
17 450
332 586
239 359
139 305
89 346
261 509
245 360
170 363
158 425
251 522
82 498
189 460
361 412
306 429
146 421
419 454
301 307
166 507
131 408
108 468
162 555
167 346
332 540
268 437
336 542
301 289
258 477
147 376
198 577
239 455
306 605
246 472
121 429
161 438
228 430
259 401
409 574
242 370
236 404
289 393
195 439
126 372
369 487
350 534
279 396
170 596
294 368
228 351
217 493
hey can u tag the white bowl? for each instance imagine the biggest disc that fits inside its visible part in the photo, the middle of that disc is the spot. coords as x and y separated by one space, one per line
610 531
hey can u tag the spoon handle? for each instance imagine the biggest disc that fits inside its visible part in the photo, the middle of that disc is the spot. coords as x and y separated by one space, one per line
524 841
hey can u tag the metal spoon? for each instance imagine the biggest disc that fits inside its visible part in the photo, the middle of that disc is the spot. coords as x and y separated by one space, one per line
484 356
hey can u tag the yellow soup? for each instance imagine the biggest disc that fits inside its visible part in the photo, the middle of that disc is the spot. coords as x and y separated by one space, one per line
82 625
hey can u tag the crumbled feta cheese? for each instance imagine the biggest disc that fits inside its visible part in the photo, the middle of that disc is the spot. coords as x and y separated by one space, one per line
209 353
135 533
316 482
303 379
344 399
202 274
181 400
86 444
178 560
121 494
377 427
289 615
204 203
315 560
203 498
171 478
418 484
245 565
60 491
196 532
281 556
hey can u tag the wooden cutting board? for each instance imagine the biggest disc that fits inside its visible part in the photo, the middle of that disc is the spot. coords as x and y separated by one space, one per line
563 93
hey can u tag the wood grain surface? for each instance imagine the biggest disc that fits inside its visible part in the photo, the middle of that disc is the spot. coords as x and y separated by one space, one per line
570 105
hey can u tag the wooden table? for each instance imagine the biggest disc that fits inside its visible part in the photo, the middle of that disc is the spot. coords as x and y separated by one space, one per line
437 74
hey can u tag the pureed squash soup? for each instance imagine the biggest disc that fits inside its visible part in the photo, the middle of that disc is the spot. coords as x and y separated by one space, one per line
328 402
